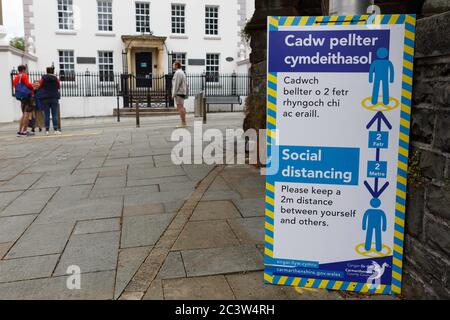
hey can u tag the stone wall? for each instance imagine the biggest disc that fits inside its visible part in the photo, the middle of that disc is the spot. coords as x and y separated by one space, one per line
427 245
256 102
431 7
427 242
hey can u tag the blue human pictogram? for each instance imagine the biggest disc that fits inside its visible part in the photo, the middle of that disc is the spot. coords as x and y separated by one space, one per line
381 73
374 221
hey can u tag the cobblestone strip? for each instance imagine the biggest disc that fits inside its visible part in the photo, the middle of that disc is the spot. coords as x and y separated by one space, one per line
147 272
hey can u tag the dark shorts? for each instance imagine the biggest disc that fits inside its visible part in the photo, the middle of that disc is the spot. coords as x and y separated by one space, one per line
28 105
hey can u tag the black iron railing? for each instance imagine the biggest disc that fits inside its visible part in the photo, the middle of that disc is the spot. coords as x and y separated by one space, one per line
219 84
81 84
148 88
150 91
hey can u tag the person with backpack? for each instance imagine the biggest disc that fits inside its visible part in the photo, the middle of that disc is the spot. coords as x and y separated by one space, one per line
49 96
38 114
179 91
23 91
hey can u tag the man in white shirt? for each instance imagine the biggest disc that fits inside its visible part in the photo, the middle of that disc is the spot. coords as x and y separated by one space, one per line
179 90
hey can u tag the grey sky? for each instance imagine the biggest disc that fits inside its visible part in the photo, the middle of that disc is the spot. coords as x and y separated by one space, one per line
13 17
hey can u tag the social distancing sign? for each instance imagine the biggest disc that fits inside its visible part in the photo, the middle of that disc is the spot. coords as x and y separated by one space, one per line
338 118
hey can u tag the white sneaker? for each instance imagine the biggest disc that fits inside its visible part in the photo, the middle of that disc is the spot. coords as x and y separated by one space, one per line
57 132
47 133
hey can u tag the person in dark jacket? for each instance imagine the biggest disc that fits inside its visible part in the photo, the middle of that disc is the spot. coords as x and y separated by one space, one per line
49 96
38 114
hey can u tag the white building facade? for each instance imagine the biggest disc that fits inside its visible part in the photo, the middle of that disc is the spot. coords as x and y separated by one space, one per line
137 36
9 58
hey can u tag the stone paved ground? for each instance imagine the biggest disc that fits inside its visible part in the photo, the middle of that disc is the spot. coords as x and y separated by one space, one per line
107 198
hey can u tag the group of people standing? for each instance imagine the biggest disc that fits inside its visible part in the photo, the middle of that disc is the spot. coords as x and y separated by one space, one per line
39 102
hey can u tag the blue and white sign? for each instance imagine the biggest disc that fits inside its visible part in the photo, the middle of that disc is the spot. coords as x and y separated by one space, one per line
339 98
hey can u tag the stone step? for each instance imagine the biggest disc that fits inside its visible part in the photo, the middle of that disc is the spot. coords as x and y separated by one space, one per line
147 112
145 109
144 99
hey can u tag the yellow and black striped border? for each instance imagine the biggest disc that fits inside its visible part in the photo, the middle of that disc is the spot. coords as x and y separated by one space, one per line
408 59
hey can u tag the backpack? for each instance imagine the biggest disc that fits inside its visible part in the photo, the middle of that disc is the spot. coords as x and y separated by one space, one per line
22 92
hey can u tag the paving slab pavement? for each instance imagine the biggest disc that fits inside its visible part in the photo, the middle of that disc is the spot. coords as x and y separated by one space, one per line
12 228
173 267
143 230
95 286
218 252
42 239
222 260
201 288
215 210
97 226
90 252
20 182
29 202
129 262
204 235
4 247
6 198
105 196
27 268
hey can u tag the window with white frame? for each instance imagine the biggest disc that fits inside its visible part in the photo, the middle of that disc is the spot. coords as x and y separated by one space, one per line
212 67
178 18
105 17
143 17
66 65
180 57
65 15
106 66
212 20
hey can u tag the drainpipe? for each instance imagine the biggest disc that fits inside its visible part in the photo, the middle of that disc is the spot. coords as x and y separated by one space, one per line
349 7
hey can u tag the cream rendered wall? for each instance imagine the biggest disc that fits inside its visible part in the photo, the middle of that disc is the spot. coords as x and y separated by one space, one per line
86 41
10 58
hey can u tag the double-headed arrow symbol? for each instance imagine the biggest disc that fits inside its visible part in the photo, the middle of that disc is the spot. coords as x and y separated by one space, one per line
379 118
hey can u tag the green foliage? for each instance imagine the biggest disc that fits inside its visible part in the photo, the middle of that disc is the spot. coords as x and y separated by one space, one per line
18 43
245 34
415 175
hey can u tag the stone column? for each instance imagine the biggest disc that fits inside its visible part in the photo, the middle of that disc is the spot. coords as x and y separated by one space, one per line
400 6
348 7
256 101
28 24
1 13
431 7
2 27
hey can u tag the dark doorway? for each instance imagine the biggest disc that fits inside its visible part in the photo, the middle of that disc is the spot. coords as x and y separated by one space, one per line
144 68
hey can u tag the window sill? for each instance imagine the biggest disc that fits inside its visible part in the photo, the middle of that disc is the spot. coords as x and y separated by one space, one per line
212 37
105 34
66 33
178 36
